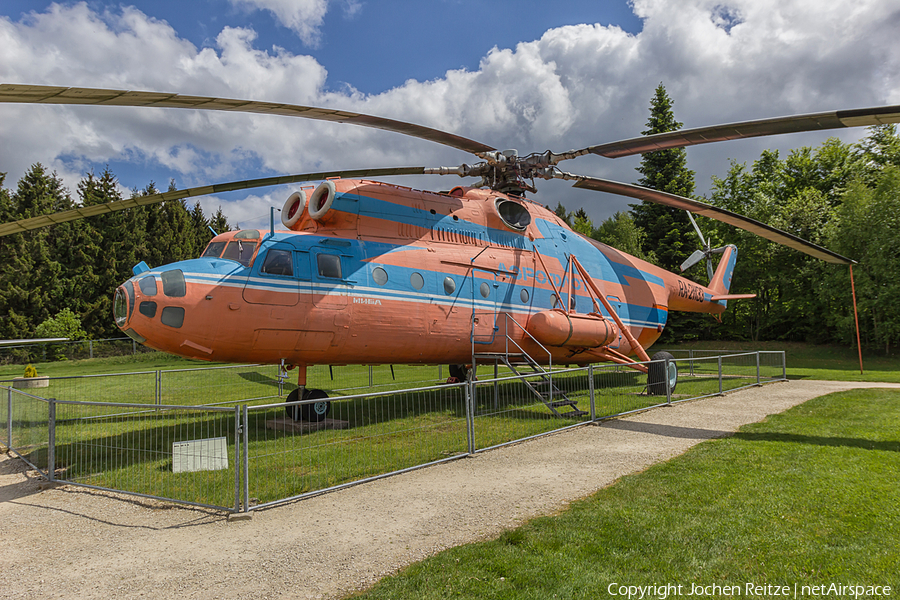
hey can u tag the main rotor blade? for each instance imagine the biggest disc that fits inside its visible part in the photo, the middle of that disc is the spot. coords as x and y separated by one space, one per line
862 117
43 94
713 212
99 209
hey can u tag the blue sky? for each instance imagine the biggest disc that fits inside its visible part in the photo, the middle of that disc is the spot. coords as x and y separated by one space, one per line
526 75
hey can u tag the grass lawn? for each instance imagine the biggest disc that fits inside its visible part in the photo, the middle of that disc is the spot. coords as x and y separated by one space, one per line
807 497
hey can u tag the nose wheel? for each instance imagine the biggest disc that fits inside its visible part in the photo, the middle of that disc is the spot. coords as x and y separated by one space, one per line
312 412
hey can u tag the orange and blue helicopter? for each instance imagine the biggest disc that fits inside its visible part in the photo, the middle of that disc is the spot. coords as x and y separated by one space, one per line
367 272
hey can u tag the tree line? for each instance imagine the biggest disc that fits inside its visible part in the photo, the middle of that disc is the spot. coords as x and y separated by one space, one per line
76 266
845 197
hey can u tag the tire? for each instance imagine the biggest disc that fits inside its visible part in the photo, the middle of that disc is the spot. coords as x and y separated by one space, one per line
656 374
459 372
317 411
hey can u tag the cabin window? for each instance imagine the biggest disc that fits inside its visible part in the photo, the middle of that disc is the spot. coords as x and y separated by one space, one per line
449 285
278 262
173 284
485 290
329 265
380 276
240 251
148 286
524 296
214 250
173 316
554 299
417 281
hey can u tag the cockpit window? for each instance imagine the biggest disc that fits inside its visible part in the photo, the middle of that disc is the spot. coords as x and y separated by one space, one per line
240 251
278 262
214 250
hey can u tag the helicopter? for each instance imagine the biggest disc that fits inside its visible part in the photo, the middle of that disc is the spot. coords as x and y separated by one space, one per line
367 272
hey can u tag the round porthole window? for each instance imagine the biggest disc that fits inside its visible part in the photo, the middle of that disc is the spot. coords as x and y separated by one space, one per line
417 281
449 285
485 290
524 296
513 214
554 300
379 275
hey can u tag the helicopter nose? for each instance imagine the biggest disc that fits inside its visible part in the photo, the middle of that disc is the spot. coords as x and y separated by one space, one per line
143 293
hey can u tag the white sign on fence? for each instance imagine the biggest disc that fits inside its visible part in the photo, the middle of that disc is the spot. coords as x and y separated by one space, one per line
200 455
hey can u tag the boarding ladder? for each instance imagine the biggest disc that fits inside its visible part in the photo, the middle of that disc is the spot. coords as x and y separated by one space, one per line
536 378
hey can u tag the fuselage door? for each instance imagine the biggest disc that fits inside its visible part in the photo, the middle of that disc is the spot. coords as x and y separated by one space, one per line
274 278
330 288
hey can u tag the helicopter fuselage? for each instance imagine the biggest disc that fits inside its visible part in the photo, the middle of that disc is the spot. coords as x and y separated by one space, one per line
372 273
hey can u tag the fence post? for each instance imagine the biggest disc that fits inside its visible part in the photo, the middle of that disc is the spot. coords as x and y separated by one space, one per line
245 428
9 419
91 348
51 447
720 374
237 458
668 384
757 367
783 365
470 416
158 388
692 361
371 378
591 390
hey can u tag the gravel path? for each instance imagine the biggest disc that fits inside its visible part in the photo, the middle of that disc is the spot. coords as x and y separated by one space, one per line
69 542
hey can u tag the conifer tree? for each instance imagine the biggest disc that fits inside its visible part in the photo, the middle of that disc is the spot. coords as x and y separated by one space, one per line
669 233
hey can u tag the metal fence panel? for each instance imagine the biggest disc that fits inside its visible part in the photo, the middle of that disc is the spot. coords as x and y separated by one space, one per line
184 454
26 427
364 436
254 455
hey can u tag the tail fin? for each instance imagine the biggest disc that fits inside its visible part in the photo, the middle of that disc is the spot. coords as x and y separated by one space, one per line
721 281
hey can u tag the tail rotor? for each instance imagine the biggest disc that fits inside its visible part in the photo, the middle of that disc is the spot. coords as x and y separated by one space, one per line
704 252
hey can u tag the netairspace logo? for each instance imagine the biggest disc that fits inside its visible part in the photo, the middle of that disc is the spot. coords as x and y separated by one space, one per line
749 590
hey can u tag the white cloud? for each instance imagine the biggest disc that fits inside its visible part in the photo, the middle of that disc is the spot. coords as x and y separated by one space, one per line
304 17
721 61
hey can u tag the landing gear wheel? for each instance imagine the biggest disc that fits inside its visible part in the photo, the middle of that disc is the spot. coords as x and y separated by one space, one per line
656 374
314 412
458 374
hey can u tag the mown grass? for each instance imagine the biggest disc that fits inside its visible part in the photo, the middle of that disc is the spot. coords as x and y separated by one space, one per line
805 497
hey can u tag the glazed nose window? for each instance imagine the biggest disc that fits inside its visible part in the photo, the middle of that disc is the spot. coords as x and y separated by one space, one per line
120 307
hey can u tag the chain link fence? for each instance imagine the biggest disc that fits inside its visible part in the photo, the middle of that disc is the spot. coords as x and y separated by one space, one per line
221 437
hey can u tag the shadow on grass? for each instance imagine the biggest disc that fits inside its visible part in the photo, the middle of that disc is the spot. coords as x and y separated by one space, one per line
795 438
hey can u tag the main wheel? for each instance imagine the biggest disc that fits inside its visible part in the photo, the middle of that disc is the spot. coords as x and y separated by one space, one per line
459 372
314 412
657 374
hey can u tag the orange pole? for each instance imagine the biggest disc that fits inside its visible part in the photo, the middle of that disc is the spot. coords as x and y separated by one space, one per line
856 319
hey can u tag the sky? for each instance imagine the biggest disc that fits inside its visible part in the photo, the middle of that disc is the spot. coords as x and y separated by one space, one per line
513 74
